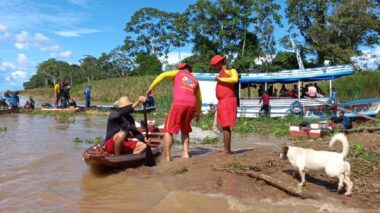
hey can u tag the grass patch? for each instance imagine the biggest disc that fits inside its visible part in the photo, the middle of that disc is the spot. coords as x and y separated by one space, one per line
236 164
210 140
97 140
181 170
273 126
364 162
3 129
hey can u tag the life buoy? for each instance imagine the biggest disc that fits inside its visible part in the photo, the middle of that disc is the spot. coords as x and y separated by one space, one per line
296 108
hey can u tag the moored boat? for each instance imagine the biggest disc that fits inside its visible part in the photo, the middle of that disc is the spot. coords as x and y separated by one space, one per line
95 156
311 130
316 108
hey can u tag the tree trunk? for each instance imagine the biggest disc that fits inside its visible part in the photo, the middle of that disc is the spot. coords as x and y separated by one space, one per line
244 38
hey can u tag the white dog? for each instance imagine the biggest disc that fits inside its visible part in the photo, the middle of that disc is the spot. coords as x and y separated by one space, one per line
332 162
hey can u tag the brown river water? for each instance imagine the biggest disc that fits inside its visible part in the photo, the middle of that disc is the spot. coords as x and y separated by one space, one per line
42 171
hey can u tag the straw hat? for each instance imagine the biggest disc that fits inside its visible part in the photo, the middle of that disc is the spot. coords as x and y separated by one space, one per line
122 102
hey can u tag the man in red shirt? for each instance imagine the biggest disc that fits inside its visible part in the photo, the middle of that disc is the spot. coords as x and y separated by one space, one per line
186 105
265 99
227 103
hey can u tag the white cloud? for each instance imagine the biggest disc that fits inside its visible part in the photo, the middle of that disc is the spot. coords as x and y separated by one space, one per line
376 51
49 48
19 74
3 28
22 59
21 45
6 66
41 38
77 32
63 54
22 37
175 57
79 2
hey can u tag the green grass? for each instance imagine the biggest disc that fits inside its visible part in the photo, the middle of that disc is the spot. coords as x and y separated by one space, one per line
363 162
263 125
3 129
96 140
210 140
181 170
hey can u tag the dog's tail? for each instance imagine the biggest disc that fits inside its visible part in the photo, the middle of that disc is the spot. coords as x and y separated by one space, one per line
342 138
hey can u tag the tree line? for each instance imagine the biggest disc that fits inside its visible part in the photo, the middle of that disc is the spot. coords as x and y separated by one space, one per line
241 29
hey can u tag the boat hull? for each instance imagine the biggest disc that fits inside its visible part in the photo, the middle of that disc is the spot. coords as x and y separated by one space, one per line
105 160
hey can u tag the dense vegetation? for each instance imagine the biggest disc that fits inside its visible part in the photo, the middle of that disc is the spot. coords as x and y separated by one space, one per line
243 30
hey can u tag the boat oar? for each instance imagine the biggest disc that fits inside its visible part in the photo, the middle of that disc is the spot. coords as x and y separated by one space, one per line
343 109
149 158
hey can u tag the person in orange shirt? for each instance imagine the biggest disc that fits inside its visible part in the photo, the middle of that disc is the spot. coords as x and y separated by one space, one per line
225 93
186 104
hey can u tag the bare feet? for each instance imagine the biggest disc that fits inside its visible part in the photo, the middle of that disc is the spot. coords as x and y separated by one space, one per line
168 158
185 155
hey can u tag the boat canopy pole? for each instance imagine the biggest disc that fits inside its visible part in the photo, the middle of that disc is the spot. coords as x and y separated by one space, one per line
330 87
249 90
266 86
299 89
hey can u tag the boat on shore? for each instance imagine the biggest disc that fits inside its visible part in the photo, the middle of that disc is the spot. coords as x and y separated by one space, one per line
316 108
95 156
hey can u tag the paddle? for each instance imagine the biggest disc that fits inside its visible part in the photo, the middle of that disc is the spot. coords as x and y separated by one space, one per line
149 158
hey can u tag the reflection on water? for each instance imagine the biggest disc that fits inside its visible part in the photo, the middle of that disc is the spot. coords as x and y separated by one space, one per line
42 170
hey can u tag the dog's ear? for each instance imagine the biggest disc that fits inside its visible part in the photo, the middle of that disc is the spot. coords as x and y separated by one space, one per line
284 153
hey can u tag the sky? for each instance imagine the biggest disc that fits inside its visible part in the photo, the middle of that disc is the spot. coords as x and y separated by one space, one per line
32 31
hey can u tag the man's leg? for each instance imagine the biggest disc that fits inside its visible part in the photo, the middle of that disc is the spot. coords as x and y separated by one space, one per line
168 138
118 138
185 142
140 148
227 140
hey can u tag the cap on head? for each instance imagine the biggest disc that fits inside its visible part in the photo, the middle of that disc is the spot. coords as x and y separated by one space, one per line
123 102
184 65
216 59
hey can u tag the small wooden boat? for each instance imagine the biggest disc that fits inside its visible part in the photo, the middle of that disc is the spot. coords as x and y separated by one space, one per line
311 130
95 156
70 109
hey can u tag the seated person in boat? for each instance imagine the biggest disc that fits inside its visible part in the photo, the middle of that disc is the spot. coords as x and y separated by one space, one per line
29 105
120 124
72 103
312 91
14 101
346 122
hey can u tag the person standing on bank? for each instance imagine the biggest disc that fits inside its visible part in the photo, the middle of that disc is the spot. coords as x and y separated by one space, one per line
87 96
225 93
186 104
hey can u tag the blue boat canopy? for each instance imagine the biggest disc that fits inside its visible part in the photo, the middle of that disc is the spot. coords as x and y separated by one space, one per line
288 76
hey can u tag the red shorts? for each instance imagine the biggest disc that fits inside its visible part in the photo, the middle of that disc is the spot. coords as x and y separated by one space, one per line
226 112
179 118
128 146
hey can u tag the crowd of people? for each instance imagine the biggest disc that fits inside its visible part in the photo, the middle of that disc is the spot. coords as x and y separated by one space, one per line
11 100
62 95
185 107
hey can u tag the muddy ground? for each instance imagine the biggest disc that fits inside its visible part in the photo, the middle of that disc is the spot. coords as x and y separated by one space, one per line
198 173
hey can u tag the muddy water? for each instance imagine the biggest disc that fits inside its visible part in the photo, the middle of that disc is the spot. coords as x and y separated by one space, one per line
42 171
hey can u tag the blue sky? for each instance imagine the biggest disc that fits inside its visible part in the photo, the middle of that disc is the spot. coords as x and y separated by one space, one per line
32 31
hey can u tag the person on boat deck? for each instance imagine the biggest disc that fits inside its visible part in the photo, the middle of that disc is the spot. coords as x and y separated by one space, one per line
312 91
275 93
186 105
72 103
227 102
14 101
120 123
333 99
57 92
29 105
283 89
265 98
87 96
65 96
319 90
345 121
3 102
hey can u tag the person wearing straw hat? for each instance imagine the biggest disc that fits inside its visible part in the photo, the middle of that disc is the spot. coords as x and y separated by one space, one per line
120 123
186 105
225 93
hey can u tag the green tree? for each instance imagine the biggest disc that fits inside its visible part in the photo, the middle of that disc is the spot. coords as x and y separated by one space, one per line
334 30
152 31
147 64
90 68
